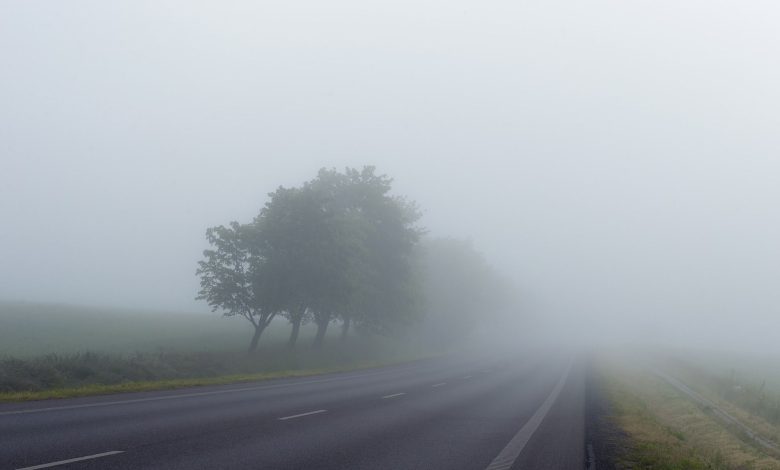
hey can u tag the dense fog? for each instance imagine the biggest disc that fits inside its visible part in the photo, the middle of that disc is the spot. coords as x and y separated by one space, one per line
618 161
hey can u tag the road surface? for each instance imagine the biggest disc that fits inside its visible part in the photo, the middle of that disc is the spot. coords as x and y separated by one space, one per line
510 412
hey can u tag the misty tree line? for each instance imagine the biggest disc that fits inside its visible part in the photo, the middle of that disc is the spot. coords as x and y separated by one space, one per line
341 249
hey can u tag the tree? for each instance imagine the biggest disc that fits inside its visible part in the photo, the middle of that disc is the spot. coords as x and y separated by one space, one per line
287 231
234 279
340 250
310 245
461 289
387 298
339 247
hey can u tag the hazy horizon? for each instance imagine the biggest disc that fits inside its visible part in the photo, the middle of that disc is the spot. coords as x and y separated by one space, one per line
619 161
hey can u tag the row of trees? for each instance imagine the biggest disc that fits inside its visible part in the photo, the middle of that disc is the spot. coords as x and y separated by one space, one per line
462 292
339 247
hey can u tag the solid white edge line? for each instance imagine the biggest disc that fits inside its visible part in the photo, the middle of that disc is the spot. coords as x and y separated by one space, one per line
509 454
394 395
77 459
439 384
302 415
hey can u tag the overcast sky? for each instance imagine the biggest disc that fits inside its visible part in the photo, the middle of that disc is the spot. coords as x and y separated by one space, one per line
619 159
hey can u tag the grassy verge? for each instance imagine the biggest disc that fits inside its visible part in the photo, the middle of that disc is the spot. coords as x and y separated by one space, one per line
142 386
665 430
58 351
749 400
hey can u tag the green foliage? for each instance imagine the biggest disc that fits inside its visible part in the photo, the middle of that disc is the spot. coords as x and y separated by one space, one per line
231 278
338 247
342 248
225 272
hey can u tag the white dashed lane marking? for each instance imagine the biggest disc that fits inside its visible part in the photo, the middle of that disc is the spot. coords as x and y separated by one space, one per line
301 415
77 459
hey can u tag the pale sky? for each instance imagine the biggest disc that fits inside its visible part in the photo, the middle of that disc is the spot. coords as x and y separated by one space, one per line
619 159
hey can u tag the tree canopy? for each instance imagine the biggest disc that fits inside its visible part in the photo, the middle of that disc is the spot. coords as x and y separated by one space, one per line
339 247
342 248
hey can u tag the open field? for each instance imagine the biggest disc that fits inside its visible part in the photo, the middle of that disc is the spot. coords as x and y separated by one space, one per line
32 329
57 351
663 428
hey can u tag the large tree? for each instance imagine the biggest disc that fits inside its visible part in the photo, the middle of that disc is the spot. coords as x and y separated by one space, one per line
235 279
386 299
339 247
338 260
346 246
310 247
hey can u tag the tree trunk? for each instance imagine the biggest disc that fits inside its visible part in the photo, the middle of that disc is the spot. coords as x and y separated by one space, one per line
322 327
345 328
255 338
296 328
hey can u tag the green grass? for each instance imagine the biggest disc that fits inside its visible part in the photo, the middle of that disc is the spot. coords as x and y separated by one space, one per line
143 386
666 430
49 351
651 444
50 372
748 382
31 329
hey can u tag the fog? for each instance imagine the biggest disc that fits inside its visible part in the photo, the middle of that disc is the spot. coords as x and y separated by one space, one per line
618 160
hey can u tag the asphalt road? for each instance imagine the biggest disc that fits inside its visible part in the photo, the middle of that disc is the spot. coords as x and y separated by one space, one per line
519 411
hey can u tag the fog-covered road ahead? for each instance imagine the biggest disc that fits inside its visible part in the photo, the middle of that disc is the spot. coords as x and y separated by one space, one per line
452 413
